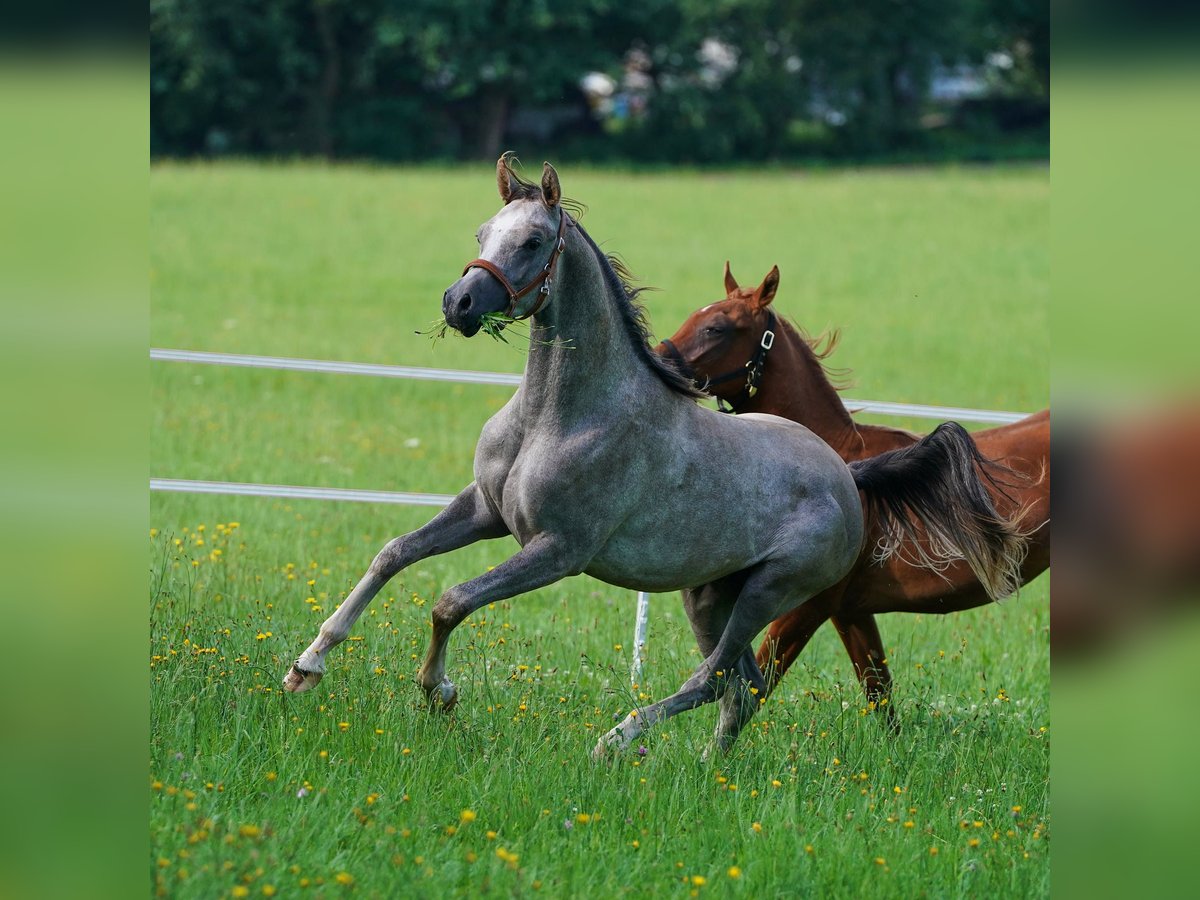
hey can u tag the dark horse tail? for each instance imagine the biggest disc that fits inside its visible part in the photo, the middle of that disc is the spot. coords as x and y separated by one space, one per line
931 505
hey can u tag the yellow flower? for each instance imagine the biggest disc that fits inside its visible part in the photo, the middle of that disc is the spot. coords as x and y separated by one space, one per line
344 878
776 783
933 851
240 890
271 776
880 861
451 831
583 818
491 835
699 880
344 726
756 827
734 872
466 816
250 831
808 848
973 842
268 890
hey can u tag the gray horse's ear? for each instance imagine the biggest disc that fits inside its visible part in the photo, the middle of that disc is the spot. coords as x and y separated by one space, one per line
766 291
551 192
731 284
504 177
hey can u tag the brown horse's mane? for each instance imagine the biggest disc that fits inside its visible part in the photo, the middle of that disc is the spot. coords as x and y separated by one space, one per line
821 346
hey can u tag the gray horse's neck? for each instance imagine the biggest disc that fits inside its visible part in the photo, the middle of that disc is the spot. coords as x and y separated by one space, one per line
581 346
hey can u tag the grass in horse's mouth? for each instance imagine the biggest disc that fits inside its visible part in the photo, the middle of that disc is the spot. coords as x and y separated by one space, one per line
492 324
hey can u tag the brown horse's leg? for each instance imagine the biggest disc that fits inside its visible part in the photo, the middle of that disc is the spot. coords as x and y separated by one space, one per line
862 640
788 636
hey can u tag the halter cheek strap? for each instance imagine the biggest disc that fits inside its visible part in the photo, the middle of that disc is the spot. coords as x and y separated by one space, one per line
541 281
752 371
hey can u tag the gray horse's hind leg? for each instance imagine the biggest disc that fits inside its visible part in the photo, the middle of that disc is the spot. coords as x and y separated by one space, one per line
709 608
762 598
740 701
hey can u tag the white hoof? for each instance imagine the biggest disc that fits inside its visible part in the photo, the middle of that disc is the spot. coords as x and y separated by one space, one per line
297 681
443 695
615 741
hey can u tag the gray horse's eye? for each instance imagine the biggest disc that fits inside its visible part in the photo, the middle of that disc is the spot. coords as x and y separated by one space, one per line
532 244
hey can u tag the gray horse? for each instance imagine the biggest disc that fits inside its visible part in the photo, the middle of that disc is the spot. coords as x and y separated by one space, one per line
602 462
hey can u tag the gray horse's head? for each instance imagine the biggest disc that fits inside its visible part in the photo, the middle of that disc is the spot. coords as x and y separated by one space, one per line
517 248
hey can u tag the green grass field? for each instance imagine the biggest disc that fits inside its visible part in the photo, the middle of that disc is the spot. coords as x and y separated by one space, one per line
939 280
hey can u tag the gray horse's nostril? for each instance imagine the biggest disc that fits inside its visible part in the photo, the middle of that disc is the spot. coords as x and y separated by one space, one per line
464 304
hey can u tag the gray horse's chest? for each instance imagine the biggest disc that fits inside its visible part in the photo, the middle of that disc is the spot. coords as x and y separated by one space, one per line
538 480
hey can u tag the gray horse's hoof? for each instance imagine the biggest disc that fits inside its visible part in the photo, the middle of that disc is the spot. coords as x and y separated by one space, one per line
442 696
297 681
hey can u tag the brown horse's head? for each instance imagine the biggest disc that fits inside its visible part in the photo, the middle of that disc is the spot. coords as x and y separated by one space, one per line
719 339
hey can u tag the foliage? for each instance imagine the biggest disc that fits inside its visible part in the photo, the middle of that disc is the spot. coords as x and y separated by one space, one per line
418 79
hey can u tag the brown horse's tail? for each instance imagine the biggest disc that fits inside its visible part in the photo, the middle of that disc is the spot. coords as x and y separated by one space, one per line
933 508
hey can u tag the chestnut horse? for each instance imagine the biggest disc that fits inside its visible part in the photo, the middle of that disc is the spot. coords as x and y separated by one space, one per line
753 361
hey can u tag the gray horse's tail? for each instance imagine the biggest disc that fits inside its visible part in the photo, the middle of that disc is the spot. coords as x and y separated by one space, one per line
933 508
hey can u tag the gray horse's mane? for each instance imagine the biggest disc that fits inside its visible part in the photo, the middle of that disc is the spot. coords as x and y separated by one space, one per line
633 313
618 279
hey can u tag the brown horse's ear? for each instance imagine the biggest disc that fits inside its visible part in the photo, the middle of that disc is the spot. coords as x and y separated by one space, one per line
731 284
551 192
766 291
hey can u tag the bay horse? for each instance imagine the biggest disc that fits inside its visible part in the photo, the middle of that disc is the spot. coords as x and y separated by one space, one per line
603 462
755 362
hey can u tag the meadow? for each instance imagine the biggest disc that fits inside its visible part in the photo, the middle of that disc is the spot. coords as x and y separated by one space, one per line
939 280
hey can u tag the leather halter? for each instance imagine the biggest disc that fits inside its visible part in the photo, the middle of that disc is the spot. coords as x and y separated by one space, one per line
543 278
752 370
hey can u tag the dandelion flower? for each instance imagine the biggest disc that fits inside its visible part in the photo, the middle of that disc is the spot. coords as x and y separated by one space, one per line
344 878
734 872
466 816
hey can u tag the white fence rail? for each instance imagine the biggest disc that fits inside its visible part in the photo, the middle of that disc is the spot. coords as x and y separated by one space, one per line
461 376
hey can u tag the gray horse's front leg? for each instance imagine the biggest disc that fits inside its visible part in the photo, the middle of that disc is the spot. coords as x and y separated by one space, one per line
466 520
544 560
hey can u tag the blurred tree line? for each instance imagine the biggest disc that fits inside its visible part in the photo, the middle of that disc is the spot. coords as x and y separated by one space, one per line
680 80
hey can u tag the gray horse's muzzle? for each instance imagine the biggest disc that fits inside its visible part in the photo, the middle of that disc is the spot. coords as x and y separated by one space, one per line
471 297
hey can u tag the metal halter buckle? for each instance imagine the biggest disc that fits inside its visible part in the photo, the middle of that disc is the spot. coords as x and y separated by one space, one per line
768 340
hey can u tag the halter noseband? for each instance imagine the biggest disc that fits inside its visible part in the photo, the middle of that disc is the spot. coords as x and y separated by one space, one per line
752 370
543 278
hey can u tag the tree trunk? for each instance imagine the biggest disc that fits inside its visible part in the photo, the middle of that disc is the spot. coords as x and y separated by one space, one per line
492 123
325 94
